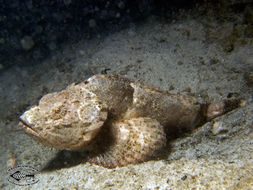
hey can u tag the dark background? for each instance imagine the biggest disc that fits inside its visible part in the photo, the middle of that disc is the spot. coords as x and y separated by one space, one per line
32 30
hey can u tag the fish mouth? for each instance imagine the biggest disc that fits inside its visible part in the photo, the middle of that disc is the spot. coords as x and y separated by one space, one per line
28 128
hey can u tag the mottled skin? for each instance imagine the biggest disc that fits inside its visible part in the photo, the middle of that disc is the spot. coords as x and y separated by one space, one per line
117 120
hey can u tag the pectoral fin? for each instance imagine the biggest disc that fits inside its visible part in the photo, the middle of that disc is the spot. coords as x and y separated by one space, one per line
135 140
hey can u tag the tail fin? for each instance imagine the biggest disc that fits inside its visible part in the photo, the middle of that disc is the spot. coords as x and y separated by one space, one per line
213 110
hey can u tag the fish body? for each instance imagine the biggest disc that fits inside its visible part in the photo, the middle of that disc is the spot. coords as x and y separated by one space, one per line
118 120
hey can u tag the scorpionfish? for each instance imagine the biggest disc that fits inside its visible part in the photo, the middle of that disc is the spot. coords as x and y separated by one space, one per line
117 120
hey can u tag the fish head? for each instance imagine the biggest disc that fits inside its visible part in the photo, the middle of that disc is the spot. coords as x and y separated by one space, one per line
67 120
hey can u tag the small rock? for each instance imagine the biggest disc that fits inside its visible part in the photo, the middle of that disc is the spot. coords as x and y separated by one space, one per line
11 163
92 23
117 15
27 43
121 5
184 177
82 52
219 128
180 63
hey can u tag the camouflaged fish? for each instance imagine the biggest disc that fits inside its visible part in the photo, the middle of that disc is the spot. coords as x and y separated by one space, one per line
118 120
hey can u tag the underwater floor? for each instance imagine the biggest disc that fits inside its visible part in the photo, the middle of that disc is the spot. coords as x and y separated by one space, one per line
203 56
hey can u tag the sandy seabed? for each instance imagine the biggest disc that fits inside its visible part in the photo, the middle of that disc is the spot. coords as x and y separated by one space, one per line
198 56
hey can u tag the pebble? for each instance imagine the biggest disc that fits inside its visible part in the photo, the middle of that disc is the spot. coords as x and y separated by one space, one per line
11 163
117 15
219 128
121 5
92 23
27 43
